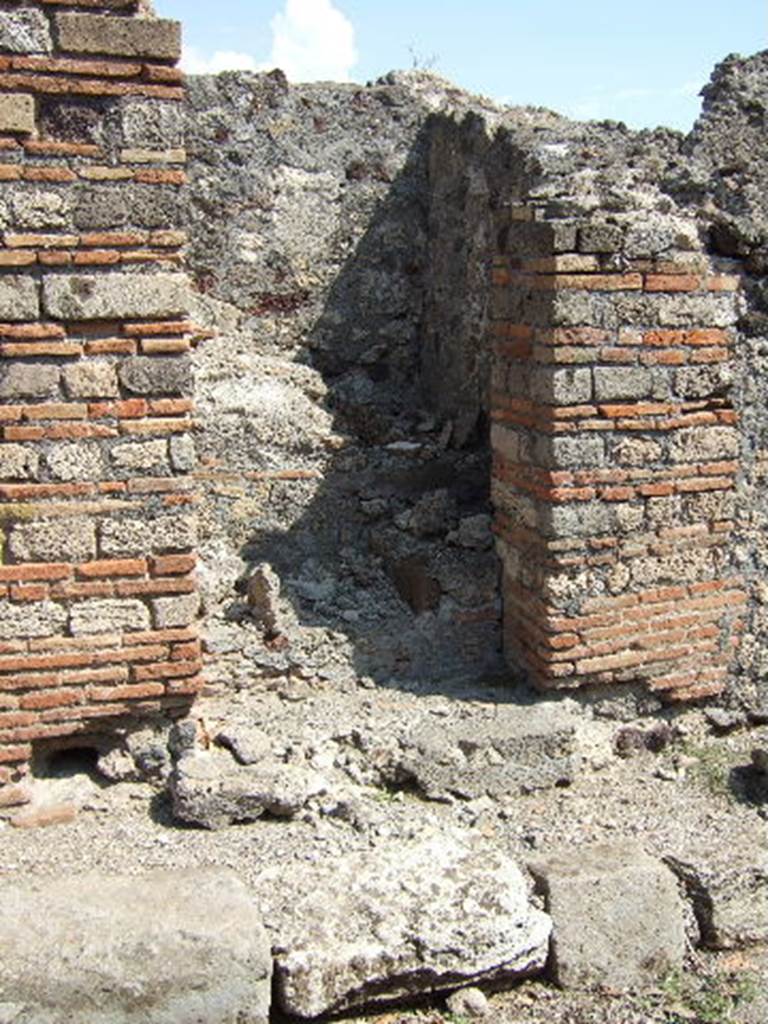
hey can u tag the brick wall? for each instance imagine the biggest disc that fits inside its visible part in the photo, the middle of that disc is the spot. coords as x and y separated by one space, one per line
97 532
616 451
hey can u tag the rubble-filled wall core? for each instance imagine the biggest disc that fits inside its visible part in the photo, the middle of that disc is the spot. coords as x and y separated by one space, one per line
97 530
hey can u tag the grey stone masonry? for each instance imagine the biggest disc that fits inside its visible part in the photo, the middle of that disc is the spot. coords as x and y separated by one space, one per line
123 37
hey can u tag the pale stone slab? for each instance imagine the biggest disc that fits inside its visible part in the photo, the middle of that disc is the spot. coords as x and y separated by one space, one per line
24 31
91 617
18 298
121 37
164 947
115 296
404 919
17 113
617 916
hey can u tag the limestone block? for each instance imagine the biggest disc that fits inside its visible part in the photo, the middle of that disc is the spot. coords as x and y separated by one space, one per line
121 37
18 462
141 455
157 375
24 31
176 612
152 124
165 946
18 298
705 444
93 378
89 617
17 113
54 540
406 918
43 618
114 296
728 890
28 380
211 791
75 461
612 382
561 385
122 538
40 209
617 916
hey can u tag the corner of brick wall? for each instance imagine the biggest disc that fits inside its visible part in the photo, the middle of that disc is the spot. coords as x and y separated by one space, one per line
98 599
616 451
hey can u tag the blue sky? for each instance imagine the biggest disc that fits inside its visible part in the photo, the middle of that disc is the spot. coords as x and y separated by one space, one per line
642 63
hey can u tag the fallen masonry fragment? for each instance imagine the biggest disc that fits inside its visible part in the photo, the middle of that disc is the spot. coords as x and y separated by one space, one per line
187 946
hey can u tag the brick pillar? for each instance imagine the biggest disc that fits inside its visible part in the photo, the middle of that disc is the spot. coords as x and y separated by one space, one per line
615 456
98 600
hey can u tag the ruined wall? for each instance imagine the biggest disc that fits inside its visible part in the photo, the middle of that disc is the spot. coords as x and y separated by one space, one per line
97 596
346 240
324 450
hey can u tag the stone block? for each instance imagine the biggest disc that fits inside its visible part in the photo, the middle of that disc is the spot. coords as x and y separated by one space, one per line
598 238
174 612
17 113
167 946
157 375
407 918
617 916
561 385
92 378
90 617
120 37
152 124
519 750
28 380
183 453
54 540
75 461
18 298
705 444
622 382
19 621
18 462
114 206
39 209
115 296
24 31
583 451
122 538
141 455
728 890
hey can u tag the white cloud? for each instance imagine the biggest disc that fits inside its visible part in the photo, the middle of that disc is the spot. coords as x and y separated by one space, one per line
311 40
196 63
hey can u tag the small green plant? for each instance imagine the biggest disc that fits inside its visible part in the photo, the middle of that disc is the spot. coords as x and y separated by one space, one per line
711 768
706 999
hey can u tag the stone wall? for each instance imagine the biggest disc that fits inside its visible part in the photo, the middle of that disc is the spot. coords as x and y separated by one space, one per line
97 529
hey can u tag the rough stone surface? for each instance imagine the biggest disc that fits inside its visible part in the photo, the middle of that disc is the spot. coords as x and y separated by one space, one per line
24 31
123 37
210 791
406 918
728 891
91 617
18 298
518 750
617 916
17 113
175 946
54 540
92 297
